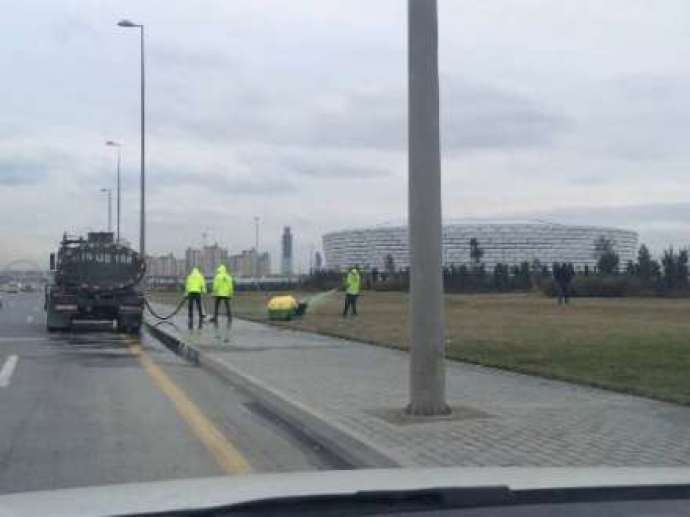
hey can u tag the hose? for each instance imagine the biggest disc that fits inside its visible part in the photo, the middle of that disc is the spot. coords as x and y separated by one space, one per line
163 318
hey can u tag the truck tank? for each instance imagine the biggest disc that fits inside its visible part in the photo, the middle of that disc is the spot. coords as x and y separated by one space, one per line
95 279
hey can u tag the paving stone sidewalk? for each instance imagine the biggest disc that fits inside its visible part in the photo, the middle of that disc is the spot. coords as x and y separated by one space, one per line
501 418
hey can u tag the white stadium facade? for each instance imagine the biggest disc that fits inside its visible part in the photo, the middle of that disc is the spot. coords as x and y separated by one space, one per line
509 243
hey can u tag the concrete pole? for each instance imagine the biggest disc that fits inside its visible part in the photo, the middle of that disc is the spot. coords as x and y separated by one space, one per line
142 207
426 319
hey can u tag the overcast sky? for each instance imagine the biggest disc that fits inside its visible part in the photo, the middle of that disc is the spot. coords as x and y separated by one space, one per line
295 111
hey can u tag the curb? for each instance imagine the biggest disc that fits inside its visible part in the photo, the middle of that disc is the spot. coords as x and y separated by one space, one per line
354 450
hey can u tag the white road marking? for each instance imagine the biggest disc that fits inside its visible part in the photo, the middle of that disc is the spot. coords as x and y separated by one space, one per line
20 338
8 370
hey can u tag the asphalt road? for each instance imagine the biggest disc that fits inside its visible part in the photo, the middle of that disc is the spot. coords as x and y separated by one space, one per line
93 407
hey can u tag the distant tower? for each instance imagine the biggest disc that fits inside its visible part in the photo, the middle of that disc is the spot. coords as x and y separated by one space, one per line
286 268
318 261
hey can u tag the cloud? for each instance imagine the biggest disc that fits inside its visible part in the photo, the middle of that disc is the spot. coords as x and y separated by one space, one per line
15 171
176 59
299 163
326 169
472 116
483 116
218 181
622 214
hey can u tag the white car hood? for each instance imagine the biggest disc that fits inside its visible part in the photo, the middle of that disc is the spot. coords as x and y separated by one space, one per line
220 491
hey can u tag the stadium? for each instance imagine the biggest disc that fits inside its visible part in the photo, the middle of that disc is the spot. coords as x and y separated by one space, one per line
508 243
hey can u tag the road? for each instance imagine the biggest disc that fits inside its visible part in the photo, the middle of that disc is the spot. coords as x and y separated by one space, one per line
93 407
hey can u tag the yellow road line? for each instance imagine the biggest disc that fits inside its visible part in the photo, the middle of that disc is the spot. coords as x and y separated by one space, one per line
226 455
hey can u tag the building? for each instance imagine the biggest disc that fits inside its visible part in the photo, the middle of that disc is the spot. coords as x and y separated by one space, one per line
207 258
318 261
286 256
180 268
247 263
162 265
212 257
192 258
508 243
264 264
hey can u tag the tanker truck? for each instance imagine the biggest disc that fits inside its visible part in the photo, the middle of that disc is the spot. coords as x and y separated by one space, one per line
95 280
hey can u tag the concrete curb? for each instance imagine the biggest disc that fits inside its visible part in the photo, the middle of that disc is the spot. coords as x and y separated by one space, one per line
353 449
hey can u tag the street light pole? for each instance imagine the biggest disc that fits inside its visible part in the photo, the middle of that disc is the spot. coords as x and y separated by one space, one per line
256 247
119 190
142 208
119 193
426 320
110 207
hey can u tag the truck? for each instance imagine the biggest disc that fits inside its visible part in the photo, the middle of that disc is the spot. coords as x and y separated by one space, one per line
95 280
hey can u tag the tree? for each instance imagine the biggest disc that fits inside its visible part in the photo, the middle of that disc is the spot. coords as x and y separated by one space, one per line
523 276
501 277
607 258
476 253
630 268
675 268
682 268
462 275
646 267
389 264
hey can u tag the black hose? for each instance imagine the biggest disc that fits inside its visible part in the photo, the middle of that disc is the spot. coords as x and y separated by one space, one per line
157 316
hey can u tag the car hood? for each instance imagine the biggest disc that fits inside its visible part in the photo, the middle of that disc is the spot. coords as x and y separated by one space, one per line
161 496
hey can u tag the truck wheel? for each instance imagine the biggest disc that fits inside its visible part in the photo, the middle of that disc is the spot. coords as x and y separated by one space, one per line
128 327
53 328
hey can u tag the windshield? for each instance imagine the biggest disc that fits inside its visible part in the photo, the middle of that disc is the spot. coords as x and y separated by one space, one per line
295 236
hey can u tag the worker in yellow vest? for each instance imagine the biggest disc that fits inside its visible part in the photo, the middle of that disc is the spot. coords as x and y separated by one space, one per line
194 286
223 290
352 286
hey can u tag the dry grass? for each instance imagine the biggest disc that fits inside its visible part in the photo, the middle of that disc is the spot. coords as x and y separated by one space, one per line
636 345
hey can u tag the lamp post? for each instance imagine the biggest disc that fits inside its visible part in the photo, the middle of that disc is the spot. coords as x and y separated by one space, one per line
427 367
142 207
111 143
110 207
256 247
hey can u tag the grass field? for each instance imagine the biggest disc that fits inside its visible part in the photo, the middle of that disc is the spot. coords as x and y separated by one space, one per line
635 345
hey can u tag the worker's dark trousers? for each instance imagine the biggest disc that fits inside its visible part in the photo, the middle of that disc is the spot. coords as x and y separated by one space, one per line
191 299
228 311
563 293
350 301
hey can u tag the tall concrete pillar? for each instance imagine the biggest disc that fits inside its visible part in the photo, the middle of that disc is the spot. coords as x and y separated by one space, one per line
426 319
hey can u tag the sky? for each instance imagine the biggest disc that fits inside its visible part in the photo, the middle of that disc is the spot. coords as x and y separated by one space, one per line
295 112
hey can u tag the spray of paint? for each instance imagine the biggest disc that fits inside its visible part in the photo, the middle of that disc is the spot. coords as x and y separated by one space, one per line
318 299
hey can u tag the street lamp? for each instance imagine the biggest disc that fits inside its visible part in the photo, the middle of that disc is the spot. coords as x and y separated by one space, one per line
115 144
256 247
110 207
142 213
427 367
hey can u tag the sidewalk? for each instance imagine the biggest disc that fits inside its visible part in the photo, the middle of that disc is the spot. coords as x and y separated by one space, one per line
500 418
